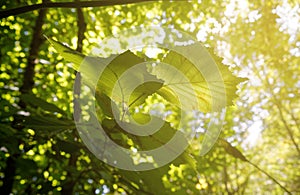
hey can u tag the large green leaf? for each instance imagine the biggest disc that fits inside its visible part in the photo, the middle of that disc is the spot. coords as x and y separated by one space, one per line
90 67
68 53
127 80
208 88
108 107
172 142
205 84
122 77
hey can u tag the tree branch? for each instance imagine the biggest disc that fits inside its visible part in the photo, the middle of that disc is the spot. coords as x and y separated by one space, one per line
279 106
269 176
68 188
80 4
287 127
80 35
36 42
28 82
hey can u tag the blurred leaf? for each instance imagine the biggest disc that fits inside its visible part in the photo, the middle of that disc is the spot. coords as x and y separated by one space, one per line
6 131
32 100
27 168
47 187
66 146
48 123
7 109
153 180
8 138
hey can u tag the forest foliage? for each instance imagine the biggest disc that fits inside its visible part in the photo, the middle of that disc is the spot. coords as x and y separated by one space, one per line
47 65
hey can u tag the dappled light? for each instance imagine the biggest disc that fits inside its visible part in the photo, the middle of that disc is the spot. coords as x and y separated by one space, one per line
149 97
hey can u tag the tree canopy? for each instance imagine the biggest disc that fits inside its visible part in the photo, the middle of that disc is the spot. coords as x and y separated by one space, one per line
149 97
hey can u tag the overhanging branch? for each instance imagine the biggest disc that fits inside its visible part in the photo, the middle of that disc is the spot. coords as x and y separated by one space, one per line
80 4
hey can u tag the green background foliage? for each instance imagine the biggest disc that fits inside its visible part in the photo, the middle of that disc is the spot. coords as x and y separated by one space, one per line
258 150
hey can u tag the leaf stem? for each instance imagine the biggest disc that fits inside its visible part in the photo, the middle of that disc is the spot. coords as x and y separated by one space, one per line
272 178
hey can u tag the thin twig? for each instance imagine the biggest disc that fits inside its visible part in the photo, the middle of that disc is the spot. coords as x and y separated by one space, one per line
282 117
267 174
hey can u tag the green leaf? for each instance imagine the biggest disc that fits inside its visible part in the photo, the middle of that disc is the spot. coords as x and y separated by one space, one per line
153 180
127 80
90 67
133 176
170 139
32 100
198 88
66 146
9 138
7 109
151 141
26 167
186 158
68 53
6 131
111 71
108 107
48 123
